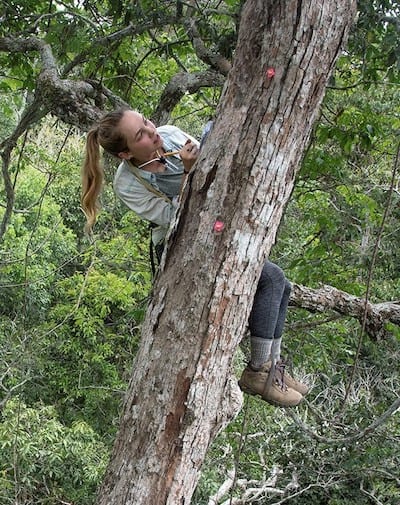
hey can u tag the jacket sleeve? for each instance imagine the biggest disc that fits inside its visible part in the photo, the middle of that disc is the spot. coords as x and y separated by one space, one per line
174 137
146 204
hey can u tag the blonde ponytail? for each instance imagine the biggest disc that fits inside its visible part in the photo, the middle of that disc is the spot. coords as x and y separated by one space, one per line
92 179
108 136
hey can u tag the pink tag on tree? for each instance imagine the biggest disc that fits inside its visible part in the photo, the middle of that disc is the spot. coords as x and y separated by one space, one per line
270 73
218 226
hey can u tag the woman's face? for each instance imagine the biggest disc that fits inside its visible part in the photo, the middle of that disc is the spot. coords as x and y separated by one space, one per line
141 136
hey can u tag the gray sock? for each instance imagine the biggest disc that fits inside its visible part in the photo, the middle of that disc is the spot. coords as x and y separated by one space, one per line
260 349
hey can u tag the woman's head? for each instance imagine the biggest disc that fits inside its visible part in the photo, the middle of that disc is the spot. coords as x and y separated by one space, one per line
141 137
126 134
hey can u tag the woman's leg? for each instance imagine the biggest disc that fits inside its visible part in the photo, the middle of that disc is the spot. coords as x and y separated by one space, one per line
264 376
276 345
268 314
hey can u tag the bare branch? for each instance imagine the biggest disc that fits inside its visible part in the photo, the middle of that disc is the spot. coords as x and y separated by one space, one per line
369 430
104 42
64 13
179 84
214 59
10 391
330 298
371 496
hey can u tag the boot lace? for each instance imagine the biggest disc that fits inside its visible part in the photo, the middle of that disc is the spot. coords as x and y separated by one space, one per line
279 376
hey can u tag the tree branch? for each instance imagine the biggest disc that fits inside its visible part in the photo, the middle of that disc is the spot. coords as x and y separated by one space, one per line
214 59
179 84
105 42
330 298
367 431
64 98
32 113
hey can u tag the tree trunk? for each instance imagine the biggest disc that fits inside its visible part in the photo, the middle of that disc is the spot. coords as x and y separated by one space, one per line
179 395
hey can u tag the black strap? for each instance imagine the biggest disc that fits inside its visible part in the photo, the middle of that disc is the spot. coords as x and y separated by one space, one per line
151 254
155 251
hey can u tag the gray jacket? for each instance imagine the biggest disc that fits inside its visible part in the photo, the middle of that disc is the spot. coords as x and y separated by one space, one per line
142 200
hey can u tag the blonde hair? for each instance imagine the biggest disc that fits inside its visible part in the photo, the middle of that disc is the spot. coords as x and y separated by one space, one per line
105 134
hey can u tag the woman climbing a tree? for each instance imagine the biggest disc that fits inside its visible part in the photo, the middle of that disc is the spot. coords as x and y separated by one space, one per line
154 165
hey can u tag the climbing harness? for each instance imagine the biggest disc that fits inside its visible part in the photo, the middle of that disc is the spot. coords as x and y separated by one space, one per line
155 251
135 171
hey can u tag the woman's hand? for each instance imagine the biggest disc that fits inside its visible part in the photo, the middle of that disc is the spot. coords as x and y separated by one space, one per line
189 154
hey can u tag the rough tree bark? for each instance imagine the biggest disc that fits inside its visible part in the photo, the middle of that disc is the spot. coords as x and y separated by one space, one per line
179 394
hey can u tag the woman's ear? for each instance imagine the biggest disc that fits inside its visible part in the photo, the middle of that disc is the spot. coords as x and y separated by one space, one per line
124 155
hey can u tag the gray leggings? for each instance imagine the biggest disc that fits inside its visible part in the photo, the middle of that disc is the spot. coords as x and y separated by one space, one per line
271 300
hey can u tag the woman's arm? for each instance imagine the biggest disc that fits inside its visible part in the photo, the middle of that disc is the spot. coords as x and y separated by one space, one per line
142 201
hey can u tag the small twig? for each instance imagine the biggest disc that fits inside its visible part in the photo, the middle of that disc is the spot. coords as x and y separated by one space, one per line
240 449
351 438
370 495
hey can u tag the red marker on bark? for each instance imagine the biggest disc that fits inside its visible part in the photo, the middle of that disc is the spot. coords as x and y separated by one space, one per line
218 226
270 73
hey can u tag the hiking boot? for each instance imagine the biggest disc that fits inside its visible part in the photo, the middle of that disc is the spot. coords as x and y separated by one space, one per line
286 377
269 386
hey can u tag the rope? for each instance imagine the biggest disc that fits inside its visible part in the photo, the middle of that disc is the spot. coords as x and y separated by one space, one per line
135 171
242 443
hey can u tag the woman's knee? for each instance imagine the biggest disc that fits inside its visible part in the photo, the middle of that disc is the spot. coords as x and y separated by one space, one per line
273 273
288 286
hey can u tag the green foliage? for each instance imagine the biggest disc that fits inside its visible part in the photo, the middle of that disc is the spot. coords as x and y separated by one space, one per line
376 40
341 194
83 351
42 461
71 307
10 103
35 252
87 42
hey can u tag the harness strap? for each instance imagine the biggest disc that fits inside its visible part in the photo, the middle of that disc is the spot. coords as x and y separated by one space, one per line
151 254
135 171
152 249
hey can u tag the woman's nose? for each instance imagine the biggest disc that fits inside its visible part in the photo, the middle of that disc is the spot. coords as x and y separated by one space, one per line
151 130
